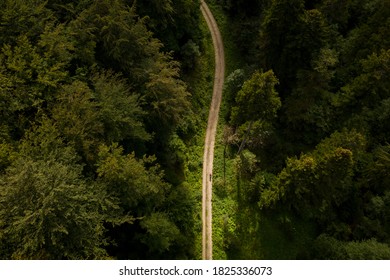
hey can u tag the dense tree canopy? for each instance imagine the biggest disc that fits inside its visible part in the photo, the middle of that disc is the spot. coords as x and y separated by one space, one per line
319 176
87 93
98 115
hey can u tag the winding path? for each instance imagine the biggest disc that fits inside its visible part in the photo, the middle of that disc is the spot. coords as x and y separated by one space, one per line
208 157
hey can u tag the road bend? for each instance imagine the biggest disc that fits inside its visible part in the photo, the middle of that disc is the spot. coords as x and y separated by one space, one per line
208 157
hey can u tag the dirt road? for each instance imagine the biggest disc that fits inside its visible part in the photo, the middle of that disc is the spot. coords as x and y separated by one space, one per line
207 242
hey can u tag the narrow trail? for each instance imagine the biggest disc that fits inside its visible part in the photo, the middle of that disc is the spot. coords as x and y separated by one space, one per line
208 157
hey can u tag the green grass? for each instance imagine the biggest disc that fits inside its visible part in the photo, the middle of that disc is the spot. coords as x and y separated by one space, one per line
224 199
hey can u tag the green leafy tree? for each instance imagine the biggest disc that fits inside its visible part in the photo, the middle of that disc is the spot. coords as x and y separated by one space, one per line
74 79
166 95
190 53
160 11
31 73
124 44
309 109
48 210
174 22
6 155
257 99
120 109
161 233
378 171
139 187
319 184
180 207
290 37
23 18
257 104
77 116
277 35
337 13
368 37
326 247
372 85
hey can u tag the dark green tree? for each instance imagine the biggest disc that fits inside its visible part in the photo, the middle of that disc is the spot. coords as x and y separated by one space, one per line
48 210
290 37
329 248
256 107
139 187
257 100
318 185
20 17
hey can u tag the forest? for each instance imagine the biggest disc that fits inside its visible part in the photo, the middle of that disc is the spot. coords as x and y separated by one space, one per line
103 107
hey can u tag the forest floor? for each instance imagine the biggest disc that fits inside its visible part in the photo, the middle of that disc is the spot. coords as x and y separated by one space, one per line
211 132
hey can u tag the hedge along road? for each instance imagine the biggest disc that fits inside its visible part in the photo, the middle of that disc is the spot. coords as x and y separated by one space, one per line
208 157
